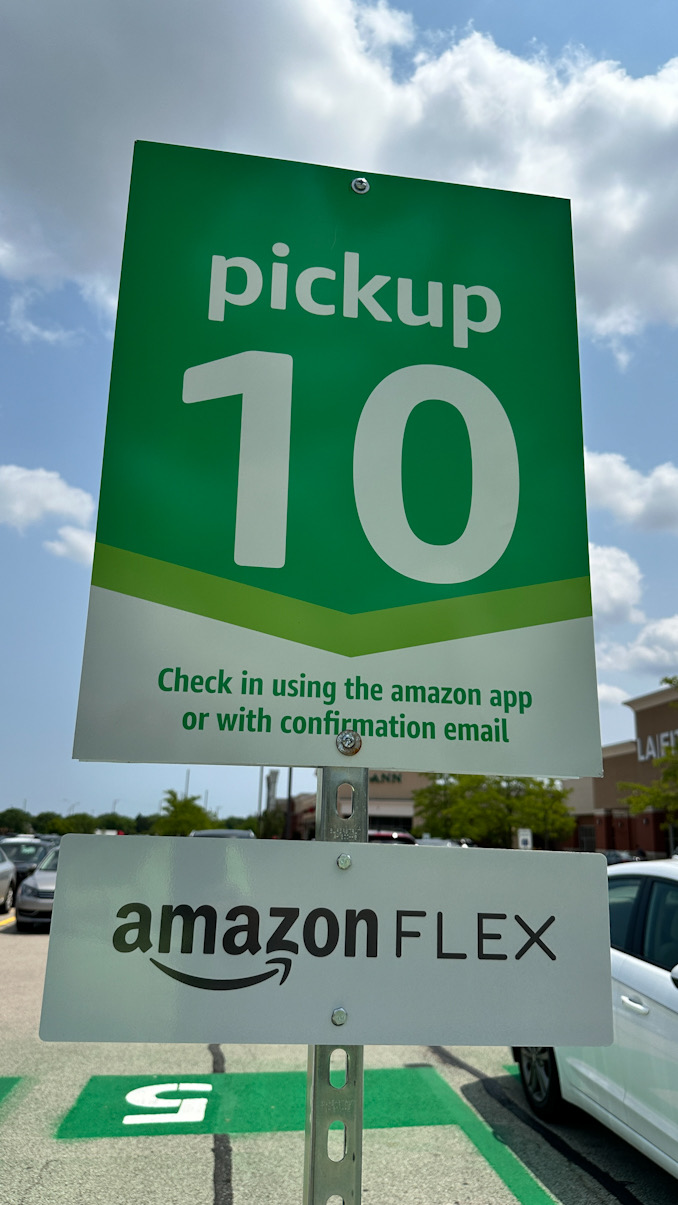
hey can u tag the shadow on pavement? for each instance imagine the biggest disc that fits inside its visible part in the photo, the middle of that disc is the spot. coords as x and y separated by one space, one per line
581 1140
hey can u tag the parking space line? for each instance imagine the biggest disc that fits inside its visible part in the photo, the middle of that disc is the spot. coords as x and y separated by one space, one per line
7 1083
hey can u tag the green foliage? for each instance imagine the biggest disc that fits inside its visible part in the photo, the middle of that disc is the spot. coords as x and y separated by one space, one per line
663 792
181 814
239 822
272 822
48 822
114 820
15 820
79 822
487 809
144 824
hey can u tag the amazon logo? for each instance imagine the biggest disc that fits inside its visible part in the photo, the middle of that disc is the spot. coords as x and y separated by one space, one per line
247 931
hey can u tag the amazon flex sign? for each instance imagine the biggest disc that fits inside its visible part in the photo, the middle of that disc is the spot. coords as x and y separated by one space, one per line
169 940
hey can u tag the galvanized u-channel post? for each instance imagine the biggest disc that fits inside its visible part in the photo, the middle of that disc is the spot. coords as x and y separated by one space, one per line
325 1178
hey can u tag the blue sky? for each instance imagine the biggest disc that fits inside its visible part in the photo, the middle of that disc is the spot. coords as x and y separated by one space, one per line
578 100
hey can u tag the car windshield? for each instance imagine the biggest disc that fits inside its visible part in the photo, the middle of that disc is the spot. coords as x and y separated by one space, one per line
24 851
51 861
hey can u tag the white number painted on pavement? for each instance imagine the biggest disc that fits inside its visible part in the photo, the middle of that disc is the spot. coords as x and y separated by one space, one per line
187 1108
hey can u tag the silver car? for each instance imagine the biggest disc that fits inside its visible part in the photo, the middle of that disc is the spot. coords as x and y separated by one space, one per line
35 896
223 832
7 882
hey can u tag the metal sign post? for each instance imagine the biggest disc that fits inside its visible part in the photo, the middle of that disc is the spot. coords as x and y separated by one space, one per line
325 1177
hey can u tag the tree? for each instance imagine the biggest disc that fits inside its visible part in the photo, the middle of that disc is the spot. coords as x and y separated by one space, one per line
272 822
114 820
48 822
145 824
239 822
487 809
180 815
663 792
15 820
542 808
79 822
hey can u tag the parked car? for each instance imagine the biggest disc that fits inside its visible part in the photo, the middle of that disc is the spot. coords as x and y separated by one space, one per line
48 839
441 841
7 882
223 832
631 1085
35 895
614 856
390 837
25 853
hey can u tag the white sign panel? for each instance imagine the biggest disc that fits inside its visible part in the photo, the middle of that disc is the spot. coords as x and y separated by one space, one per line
169 939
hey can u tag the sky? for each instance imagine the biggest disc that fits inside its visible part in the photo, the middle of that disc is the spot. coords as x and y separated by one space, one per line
577 100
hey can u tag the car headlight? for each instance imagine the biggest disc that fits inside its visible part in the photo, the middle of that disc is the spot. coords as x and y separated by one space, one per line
26 889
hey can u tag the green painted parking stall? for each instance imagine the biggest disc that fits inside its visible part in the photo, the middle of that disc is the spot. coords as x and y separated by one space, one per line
119 1106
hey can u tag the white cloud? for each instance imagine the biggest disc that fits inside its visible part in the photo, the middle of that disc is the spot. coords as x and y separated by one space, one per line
611 696
313 81
648 502
28 331
616 586
382 26
73 543
29 495
654 650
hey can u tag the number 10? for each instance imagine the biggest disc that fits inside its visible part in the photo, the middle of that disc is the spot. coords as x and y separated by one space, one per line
264 379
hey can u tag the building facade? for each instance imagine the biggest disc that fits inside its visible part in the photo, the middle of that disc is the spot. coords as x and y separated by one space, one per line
603 819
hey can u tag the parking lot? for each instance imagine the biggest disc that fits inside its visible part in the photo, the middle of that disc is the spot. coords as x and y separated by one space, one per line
443 1125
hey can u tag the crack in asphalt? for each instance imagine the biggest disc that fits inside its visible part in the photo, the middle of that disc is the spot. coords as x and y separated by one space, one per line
37 1182
222 1148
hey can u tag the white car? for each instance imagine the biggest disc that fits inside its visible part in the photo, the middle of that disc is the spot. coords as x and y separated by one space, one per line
631 1086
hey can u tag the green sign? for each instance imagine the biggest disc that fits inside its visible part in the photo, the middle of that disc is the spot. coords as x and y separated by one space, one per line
343 461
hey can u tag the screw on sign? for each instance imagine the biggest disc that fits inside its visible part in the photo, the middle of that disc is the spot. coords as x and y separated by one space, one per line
349 743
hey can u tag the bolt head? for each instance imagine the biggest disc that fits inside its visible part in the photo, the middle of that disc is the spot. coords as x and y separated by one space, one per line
348 742
360 184
344 861
339 1016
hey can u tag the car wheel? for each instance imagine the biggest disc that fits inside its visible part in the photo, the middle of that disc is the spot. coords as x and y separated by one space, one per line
541 1083
23 926
8 901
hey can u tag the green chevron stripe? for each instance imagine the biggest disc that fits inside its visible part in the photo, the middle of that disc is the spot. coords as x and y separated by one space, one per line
321 627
